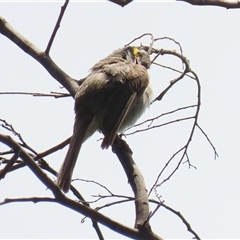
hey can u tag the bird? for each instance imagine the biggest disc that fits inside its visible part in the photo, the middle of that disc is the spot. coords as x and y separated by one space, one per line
113 96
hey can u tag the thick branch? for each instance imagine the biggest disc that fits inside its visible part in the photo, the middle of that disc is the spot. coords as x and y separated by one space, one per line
136 181
69 83
31 164
220 3
72 204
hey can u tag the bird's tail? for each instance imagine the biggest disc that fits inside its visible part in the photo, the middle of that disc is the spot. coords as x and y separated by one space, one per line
66 171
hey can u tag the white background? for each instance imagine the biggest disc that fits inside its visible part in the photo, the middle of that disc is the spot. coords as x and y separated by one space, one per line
207 197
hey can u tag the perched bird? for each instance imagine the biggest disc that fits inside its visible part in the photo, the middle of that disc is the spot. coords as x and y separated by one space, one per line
112 97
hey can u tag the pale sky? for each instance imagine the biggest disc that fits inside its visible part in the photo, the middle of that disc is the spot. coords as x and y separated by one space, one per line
207 197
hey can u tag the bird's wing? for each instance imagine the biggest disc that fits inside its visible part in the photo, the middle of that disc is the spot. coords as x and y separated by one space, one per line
114 122
127 82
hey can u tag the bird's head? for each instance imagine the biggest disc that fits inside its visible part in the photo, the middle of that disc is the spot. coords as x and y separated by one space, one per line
138 56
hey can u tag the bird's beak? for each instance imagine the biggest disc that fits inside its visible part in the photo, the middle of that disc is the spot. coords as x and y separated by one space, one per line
136 60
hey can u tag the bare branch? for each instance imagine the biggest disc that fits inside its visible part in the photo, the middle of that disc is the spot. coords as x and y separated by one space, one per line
185 147
172 69
44 165
34 94
171 39
121 149
172 82
53 149
9 164
109 204
100 197
135 178
69 83
63 8
189 228
32 165
141 36
214 149
159 204
229 4
159 125
72 204
31 199
151 120
10 128
163 169
33 154
186 223
92 181
219 3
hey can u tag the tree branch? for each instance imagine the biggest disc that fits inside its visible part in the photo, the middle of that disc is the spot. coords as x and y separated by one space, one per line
69 83
72 204
135 178
172 82
159 204
121 149
32 165
63 8
37 94
219 3
8 166
187 224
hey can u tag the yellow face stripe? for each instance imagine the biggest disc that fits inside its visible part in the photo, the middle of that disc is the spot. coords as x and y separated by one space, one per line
135 52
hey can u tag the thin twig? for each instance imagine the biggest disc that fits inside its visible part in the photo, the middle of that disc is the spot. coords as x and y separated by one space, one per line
35 94
185 147
171 39
10 128
189 228
141 36
171 68
63 8
214 149
92 181
30 199
177 213
174 81
159 125
159 204
53 149
151 120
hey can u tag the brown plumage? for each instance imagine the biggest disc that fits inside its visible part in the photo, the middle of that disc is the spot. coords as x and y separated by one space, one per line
113 96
